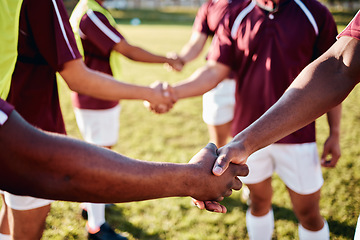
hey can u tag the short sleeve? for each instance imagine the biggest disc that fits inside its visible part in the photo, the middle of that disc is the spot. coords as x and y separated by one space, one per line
53 36
200 22
98 30
222 47
353 28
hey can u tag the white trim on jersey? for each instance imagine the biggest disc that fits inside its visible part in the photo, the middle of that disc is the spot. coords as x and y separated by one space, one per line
81 34
63 28
240 17
251 6
110 34
308 15
3 117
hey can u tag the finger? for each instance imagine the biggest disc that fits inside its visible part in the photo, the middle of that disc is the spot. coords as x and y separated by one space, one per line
146 104
237 184
199 204
324 154
214 206
221 164
165 89
228 193
329 163
241 169
212 147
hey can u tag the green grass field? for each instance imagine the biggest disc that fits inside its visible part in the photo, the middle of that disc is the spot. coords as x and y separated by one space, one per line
181 133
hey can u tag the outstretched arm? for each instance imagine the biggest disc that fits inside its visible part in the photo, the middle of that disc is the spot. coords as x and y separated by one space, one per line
141 55
40 164
81 79
193 47
322 85
201 81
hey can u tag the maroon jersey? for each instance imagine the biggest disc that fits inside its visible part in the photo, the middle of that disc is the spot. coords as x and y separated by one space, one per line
353 29
210 15
98 38
267 51
5 111
46 42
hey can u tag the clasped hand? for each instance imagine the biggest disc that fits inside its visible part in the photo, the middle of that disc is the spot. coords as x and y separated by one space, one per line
211 188
165 102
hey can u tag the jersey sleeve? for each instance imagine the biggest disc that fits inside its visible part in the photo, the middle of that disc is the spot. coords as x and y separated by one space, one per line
353 28
53 36
95 27
200 22
222 47
5 111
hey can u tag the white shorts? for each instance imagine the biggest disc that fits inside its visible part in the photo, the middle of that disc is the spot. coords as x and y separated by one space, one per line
24 202
298 166
218 103
99 127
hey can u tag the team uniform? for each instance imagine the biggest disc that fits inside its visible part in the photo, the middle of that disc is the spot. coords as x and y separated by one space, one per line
98 120
267 56
5 111
45 43
353 30
267 53
218 103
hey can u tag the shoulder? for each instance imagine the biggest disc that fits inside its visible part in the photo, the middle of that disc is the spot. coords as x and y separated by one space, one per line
238 8
317 9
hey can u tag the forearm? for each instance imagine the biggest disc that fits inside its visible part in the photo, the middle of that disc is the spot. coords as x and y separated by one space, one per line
99 85
334 120
58 167
193 48
141 55
202 80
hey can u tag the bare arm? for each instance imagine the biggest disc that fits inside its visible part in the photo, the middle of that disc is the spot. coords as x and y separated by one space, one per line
40 164
202 80
322 85
331 150
193 47
141 55
86 81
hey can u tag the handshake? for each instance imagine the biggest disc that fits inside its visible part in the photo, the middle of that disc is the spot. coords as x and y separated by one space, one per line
162 99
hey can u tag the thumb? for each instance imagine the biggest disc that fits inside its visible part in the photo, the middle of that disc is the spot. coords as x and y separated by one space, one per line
228 154
221 164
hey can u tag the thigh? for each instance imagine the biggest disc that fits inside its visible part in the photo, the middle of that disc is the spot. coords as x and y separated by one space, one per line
298 166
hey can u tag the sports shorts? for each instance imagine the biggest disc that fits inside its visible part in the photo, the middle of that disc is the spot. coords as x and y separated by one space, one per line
297 165
24 202
99 127
218 103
